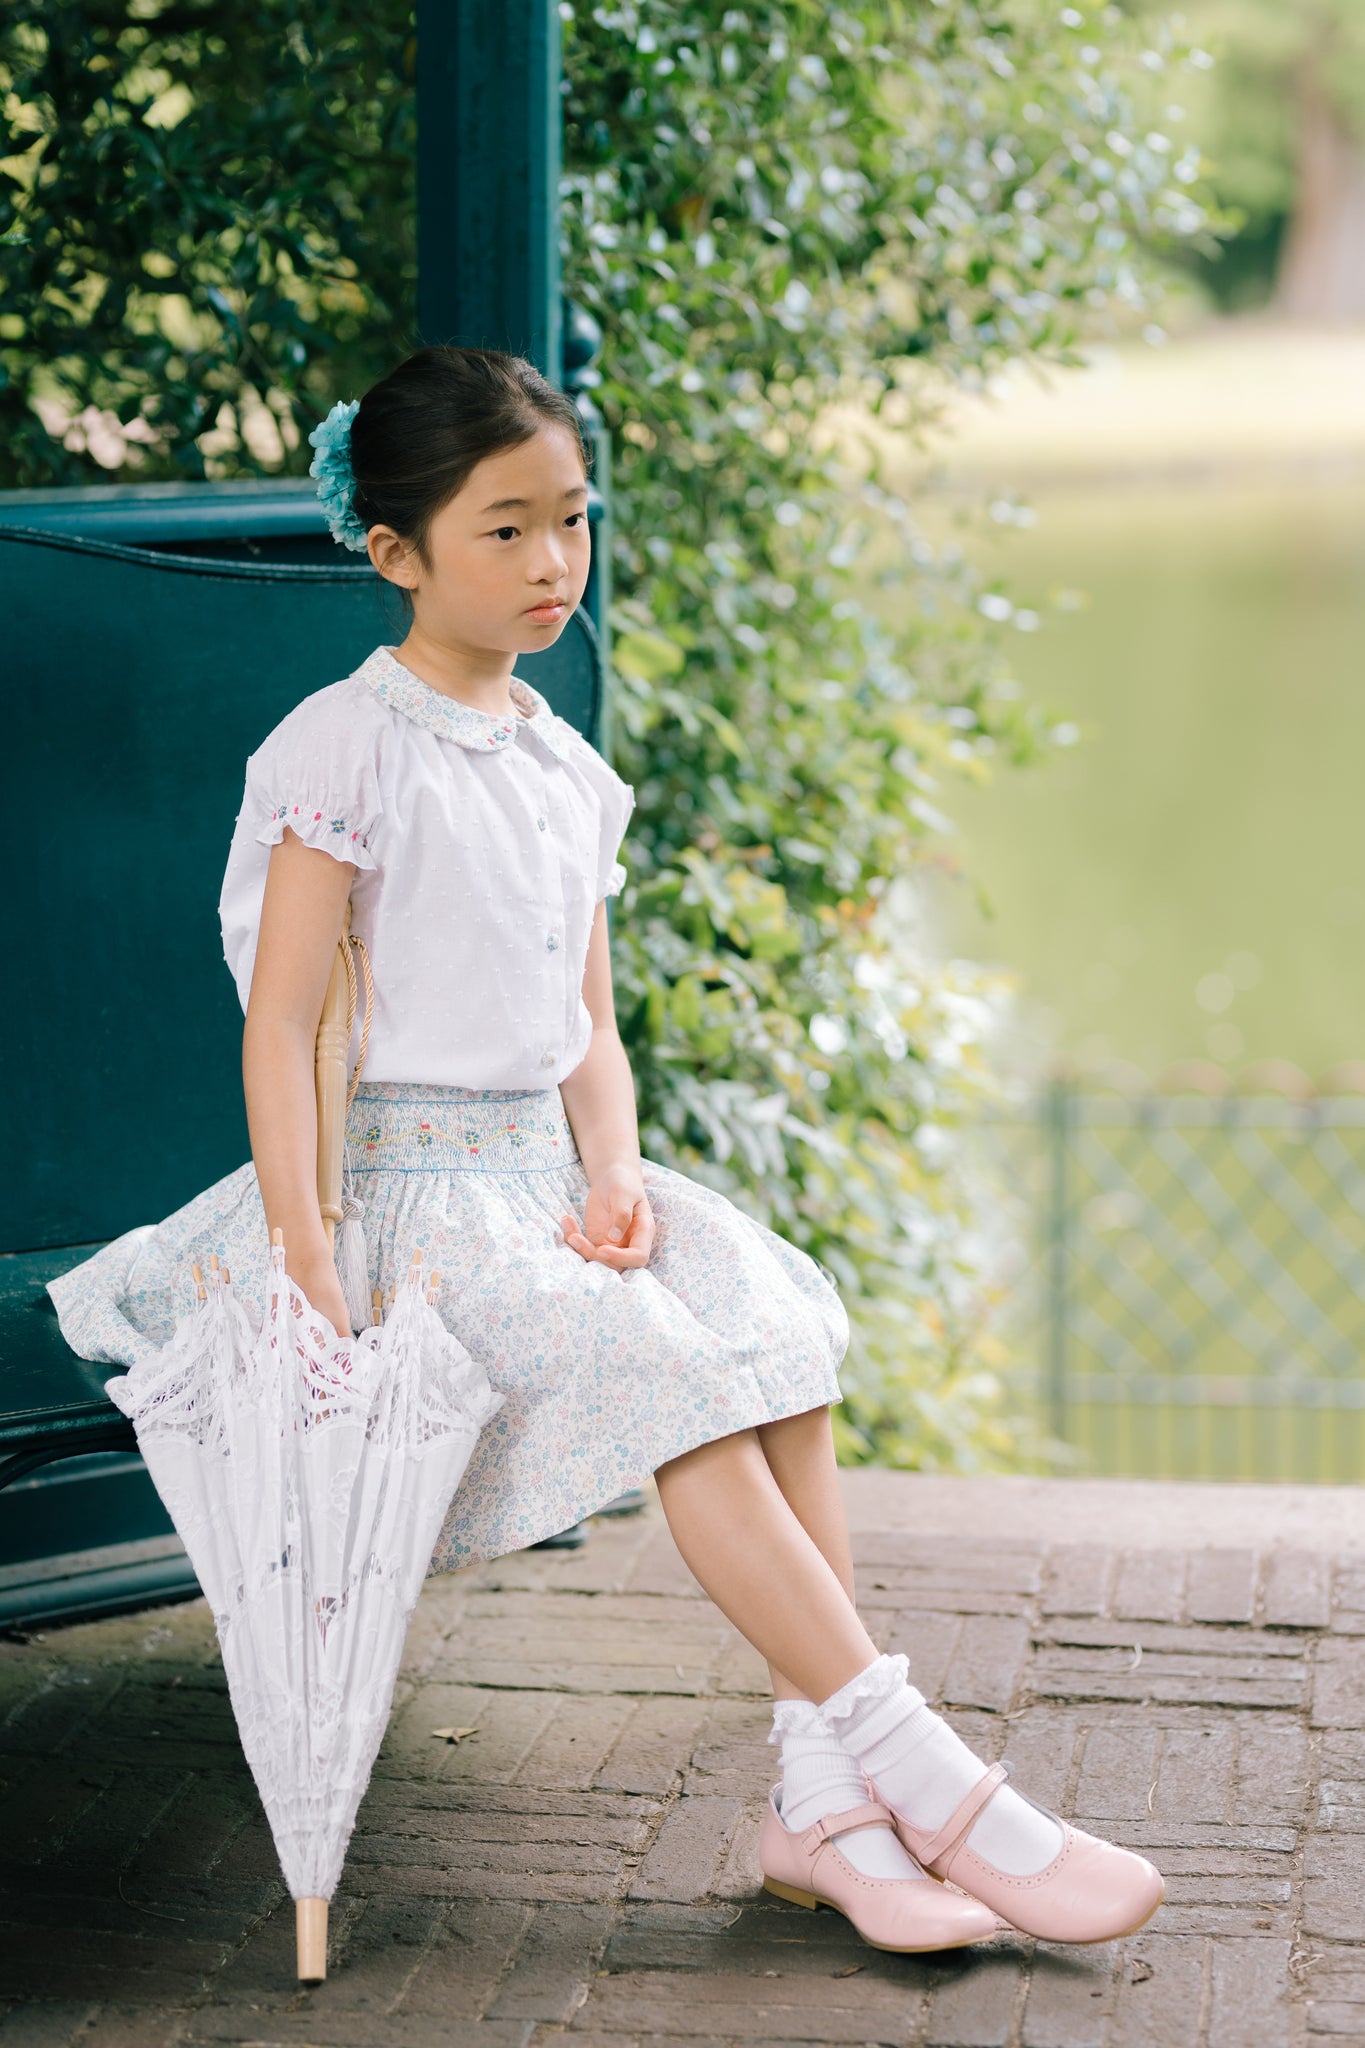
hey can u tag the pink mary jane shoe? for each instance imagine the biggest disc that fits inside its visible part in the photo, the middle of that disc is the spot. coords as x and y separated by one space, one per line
1091 1891
906 1914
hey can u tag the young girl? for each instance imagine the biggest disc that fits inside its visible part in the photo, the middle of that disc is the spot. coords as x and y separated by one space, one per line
635 1321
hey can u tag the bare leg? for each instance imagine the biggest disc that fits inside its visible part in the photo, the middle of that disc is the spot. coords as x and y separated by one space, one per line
800 1454
818 1777
744 1544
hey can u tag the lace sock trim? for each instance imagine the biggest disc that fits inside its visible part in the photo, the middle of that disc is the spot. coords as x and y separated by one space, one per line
882 1680
795 1717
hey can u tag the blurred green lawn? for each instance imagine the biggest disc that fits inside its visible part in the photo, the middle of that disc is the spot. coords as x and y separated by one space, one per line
1189 879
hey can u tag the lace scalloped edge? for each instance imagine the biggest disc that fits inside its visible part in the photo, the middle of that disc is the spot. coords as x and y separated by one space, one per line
316 828
880 1680
795 1717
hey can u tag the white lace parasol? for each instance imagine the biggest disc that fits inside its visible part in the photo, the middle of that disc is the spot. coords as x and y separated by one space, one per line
308 1476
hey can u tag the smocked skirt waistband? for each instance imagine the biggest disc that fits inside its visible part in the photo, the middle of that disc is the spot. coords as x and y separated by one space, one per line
431 1127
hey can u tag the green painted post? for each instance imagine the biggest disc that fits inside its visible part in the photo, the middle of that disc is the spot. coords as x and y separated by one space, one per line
488 160
582 345
489 151
1060 1116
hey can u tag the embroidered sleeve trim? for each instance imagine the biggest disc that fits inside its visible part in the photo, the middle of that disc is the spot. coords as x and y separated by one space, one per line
319 827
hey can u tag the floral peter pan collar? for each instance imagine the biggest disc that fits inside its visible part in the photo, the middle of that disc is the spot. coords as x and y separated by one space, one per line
482 731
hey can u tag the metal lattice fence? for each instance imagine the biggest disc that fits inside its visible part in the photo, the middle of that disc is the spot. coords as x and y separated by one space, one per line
1187 1293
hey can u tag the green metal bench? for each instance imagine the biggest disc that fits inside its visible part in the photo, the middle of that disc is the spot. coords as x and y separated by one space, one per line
141 675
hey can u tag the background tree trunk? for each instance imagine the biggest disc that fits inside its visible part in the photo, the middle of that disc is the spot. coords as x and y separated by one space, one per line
1322 266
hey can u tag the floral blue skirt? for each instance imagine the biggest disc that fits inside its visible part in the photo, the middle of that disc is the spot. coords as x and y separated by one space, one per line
605 1375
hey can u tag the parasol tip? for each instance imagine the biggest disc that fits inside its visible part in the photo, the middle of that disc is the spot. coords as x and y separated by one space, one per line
310 1918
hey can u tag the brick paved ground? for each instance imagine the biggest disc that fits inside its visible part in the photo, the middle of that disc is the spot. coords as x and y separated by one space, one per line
581 1870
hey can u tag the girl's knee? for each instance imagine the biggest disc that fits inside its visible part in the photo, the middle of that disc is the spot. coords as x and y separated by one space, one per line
811 1424
721 1450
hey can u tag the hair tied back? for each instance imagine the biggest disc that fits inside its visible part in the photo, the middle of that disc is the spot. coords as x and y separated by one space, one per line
335 475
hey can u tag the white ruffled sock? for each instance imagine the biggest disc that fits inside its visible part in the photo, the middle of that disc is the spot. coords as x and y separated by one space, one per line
925 1771
819 1777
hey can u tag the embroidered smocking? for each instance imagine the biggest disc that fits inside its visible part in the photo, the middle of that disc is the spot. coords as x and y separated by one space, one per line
395 1128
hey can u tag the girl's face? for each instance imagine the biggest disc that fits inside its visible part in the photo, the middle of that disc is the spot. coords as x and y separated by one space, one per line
507 556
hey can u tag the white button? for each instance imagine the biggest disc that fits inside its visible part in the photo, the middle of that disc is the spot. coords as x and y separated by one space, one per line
547 1059
551 942
541 823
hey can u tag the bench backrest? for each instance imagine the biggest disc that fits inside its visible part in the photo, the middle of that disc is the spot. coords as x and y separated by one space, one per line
135 685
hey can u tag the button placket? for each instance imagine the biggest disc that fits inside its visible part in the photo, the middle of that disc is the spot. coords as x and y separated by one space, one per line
552 868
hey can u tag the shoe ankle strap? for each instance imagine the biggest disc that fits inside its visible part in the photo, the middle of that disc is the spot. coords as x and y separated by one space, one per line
873 1815
928 1849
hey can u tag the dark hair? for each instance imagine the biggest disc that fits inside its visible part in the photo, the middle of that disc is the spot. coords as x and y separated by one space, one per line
423 429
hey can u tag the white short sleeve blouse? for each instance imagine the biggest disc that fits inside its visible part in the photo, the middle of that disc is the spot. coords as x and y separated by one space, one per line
482 847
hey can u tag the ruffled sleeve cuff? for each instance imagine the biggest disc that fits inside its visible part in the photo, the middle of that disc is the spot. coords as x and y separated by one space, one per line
323 827
618 802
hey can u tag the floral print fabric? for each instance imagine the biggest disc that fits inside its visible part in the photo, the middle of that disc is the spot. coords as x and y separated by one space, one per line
605 1375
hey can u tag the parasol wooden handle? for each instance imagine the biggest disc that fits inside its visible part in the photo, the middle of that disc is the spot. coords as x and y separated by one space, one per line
329 1070
310 1919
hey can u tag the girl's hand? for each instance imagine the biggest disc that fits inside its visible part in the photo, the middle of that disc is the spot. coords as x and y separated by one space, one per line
618 1225
318 1277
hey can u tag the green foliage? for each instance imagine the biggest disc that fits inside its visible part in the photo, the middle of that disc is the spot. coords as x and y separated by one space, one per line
794 224
206 230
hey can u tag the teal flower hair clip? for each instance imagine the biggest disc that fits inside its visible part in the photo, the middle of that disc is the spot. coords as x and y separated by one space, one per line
336 479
